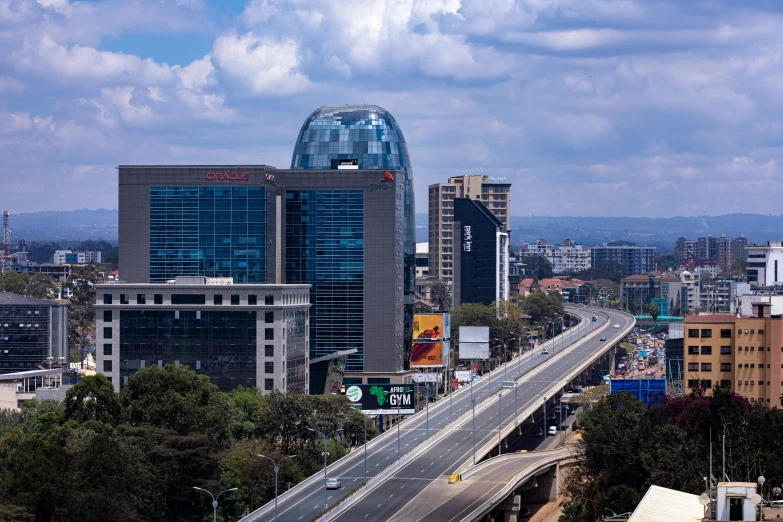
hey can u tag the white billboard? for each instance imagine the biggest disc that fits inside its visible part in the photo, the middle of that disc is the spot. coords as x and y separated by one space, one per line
473 350
426 377
473 334
463 375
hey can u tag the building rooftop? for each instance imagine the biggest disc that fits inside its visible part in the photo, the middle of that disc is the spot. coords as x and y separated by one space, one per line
638 277
8 298
715 318
423 248
668 504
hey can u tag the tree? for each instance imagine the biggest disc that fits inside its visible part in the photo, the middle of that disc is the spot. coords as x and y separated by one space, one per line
509 327
652 310
440 295
537 266
93 398
543 307
471 314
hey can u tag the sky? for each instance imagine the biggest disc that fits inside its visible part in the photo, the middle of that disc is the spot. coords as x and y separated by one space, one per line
588 107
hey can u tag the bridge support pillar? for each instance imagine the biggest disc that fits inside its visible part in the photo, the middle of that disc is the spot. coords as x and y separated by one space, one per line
510 508
547 486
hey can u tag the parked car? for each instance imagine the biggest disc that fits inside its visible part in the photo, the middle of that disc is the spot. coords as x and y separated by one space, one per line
333 483
538 431
552 431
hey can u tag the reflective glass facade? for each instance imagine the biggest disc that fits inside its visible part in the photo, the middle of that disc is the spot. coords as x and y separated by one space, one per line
24 337
325 247
220 344
370 135
296 359
208 231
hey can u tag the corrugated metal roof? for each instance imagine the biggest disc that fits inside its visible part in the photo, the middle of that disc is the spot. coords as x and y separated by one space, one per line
670 505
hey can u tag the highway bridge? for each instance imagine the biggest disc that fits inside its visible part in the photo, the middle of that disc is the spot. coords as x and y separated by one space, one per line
400 480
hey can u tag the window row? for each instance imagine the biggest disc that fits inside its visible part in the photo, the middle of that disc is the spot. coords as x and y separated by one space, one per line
197 299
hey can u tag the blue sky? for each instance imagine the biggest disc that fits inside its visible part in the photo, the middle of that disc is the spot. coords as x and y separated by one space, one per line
589 107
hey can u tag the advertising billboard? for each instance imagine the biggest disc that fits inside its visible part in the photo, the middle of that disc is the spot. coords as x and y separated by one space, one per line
431 327
473 350
429 355
382 399
463 375
473 334
426 377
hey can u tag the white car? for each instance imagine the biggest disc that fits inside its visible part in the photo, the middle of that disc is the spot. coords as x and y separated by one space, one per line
545 352
333 483
616 325
552 430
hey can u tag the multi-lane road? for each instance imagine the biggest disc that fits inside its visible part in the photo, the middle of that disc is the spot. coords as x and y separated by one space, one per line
540 371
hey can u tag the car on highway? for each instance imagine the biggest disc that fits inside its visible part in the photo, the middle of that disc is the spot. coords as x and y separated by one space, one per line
333 483
603 338
545 352
552 431
538 432
616 325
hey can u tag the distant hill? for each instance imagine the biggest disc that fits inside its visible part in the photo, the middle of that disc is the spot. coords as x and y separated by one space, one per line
71 225
659 232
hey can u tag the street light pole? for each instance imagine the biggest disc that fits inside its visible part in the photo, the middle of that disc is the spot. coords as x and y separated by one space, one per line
326 454
214 499
276 468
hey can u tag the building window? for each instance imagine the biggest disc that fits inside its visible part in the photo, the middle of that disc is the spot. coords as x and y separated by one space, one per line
124 299
269 317
157 299
107 349
693 350
141 298
106 298
739 331
269 350
693 332
269 300
269 334
706 332
706 367
706 350
269 384
725 333
752 348
106 366
725 384
725 367
234 299
217 299
252 300
107 332
269 367
188 299
761 331
107 316
693 367
378 380
725 350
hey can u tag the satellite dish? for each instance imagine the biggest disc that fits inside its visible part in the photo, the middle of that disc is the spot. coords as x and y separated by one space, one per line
755 499
704 499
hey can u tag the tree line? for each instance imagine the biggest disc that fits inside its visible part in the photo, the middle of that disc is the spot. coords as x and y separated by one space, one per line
626 447
136 456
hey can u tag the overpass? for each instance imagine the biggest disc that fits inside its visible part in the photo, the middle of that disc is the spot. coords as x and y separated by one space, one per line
418 488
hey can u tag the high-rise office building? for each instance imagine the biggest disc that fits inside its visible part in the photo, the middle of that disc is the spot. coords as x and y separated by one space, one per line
481 266
340 220
494 193
31 332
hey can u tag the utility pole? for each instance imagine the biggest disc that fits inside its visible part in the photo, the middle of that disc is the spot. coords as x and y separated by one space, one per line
5 246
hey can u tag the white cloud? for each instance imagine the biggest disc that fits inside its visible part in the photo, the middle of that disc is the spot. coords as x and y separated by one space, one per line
266 66
197 74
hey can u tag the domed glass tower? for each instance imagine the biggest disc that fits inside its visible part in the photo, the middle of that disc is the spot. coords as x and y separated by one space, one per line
370 136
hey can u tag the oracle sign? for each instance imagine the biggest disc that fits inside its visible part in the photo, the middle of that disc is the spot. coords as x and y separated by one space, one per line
234 176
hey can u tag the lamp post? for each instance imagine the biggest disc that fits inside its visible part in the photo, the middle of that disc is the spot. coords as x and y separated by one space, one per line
473 402
326 454
761 504
214 499
276 468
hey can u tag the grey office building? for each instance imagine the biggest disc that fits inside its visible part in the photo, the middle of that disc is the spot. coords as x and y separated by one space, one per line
634 258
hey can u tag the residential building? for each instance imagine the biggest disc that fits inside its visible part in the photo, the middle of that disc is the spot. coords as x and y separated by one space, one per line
638 289
686 247
481 268
422 260
340 220
690 291
236 334
634 258
550 285
33 333
719 296
671 290
742 354
494 193
564 258
62 257
526 287
722 250
765 264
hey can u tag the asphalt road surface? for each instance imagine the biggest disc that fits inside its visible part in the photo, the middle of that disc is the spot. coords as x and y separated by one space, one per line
406 483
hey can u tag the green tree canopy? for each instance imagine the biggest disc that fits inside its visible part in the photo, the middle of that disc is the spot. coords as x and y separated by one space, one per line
93 398
537 266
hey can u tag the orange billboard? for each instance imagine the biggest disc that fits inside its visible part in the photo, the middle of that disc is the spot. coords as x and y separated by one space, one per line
429 354
431 327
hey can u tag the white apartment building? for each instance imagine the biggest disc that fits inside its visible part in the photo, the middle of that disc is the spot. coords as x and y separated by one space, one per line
494 193
765 263
564 258
62 257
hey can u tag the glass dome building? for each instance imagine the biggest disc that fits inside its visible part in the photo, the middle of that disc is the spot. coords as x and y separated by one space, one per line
370 136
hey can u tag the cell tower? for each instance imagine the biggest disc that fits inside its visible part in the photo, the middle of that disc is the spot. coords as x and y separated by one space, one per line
5 247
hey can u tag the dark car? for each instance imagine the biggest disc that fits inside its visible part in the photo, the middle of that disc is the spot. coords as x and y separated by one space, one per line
524 513
603 338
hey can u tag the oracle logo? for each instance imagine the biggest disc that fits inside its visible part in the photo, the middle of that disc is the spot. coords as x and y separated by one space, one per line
234 176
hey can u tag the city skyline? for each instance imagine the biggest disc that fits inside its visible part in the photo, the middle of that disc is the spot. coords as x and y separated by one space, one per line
638 104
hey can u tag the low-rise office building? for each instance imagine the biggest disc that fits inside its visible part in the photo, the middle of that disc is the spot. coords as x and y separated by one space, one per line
236 334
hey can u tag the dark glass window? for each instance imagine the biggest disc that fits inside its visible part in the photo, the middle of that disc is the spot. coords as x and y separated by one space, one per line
706 332
217 299
269 334
706 367
106 298
158 298
215 231
107 316
693 350
269 300
107 332
188 299
761 331
693 332
107 366
269 367
269 350
725 384
141 298
269 384
725 332
269 317
378 380
107 349
724 350
693 367
352 380
124 299
252 300
706 350
234 299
